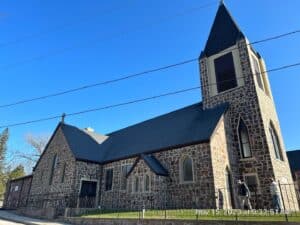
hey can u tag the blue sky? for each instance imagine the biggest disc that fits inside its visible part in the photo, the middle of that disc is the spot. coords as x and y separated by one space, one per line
107 39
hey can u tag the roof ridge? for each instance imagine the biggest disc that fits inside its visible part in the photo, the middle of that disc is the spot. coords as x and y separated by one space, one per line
153 118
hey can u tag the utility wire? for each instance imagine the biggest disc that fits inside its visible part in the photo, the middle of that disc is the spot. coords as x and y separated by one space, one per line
97 40
130 76
102 108
255 74
98 84
134 101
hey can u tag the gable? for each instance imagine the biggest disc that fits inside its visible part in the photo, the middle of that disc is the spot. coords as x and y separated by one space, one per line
152 163
56 143
186 126
84 146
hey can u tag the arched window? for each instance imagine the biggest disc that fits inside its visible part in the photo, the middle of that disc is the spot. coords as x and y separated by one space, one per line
275 141
244 140
257 73
147 183
136 184
54 164
187 169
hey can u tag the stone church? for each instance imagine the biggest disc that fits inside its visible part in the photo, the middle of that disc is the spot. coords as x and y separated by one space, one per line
188 158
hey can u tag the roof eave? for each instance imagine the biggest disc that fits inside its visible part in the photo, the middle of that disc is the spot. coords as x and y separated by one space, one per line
206 140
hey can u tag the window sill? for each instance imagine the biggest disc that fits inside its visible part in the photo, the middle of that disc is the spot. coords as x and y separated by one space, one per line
187 182
279 160
227 91
247 159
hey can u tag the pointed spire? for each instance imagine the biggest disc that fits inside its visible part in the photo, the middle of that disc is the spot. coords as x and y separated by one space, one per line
224 32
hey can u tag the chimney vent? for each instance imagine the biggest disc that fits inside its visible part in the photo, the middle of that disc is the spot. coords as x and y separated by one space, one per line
89 129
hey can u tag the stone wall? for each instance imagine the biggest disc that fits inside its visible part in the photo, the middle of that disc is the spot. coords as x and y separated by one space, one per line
87 171
156 196
168 192
54 194
281 168
221 168
116 198
37 212
256 111
129 198
201 192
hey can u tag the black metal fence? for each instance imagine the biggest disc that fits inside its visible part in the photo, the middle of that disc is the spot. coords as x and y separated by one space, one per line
221 203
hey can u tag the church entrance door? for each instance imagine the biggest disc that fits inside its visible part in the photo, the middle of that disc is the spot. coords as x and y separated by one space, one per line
88 192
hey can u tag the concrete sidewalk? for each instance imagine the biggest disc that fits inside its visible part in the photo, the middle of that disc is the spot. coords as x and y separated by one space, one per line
10 216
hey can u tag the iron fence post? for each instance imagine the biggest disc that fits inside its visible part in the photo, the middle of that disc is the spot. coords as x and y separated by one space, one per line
286 217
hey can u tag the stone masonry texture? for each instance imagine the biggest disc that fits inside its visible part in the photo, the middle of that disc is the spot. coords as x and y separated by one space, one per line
217 164
257 110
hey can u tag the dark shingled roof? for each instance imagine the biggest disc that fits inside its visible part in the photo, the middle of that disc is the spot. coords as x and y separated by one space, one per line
155 165
185 126
294 160
223 34
82 145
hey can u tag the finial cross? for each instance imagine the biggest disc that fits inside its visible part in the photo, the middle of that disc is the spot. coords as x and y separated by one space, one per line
63 118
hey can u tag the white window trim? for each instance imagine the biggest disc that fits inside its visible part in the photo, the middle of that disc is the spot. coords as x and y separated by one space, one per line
211 73
252 58
181 170
239 141
275 131
126 188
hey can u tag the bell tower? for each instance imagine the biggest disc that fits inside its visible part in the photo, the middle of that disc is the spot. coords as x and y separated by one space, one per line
233 72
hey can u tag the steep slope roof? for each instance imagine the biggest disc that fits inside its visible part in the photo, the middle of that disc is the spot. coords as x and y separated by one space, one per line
182 127
223 34
82 144
185 126
294 160
155 165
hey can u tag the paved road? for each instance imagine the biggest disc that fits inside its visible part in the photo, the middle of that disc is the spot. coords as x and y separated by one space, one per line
5 222
14 219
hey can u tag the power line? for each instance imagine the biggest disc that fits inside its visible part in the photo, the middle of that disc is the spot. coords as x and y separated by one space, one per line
136 100
91 43
130 76
276 37
98 84
255 74
102 108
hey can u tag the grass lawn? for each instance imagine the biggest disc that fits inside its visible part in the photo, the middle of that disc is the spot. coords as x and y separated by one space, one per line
192 214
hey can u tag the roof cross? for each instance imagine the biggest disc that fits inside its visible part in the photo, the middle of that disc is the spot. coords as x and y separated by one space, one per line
63 118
